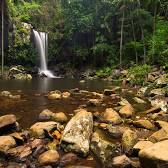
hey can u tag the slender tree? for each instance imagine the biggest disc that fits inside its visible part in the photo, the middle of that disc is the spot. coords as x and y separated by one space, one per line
2 42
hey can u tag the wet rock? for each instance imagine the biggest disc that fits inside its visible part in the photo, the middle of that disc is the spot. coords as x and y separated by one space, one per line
66 95
15 97
54 95
60 117
143 124
94 102
20 153
21 76
6 142
129 139
38 128
49 115
108 92
111 116
7 122
114 132
19 72
5 93
155 156
76 135
121 162
141 145
46 115
103 149
127 111
48 157
68 159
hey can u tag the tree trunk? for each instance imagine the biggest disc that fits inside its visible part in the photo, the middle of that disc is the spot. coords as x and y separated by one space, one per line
154 29
142 35
2 47
121 39
133 31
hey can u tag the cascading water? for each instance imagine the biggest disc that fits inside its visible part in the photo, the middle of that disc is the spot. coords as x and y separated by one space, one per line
41 40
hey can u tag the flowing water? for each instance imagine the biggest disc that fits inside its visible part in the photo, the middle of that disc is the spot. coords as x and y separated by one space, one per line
41 40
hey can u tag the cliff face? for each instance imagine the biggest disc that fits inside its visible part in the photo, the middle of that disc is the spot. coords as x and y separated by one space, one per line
6 24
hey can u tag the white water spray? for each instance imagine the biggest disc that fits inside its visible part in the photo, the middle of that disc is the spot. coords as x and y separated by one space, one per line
41 40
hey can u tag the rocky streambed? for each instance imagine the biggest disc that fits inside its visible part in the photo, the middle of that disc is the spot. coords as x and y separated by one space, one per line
117 128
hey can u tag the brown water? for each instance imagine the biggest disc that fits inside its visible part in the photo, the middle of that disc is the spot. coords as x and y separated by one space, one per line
34 100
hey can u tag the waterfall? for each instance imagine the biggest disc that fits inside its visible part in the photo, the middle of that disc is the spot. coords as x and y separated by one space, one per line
41 41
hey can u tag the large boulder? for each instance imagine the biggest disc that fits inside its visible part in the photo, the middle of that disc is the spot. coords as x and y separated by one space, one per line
19 72
77 133
111 116
155 156
103 149
39 128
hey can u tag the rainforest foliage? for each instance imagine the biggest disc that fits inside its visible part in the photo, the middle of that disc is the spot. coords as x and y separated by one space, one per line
97 33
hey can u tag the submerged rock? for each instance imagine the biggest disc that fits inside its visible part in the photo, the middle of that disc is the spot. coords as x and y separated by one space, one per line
103 149
111 116
5 93
68 159
155 156
6 142
53 95
76 135
49 157
127 111
94 102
